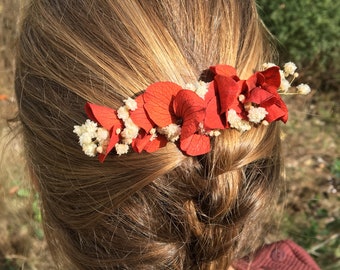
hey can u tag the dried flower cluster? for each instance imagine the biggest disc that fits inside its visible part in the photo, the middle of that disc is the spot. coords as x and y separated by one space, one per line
189 115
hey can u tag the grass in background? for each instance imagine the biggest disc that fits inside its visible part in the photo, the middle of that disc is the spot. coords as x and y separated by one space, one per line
312 215
22 244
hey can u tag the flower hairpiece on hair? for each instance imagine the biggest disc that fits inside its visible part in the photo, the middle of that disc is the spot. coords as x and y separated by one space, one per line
190 115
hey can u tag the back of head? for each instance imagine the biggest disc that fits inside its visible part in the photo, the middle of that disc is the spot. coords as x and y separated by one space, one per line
162 210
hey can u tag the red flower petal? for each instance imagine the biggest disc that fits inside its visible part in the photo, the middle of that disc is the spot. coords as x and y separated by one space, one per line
211 92
276 111
142 142
114 138
262 90
272 79
155 144
268 79
259 95
229 90
108 119
213 118
224 70
105 116
158 99
252 82
195 145
189 107
140 116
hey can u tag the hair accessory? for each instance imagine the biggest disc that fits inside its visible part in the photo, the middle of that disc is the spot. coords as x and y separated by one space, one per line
190 115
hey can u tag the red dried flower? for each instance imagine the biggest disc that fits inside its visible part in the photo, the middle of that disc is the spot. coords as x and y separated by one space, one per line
167 112
262 91
108 119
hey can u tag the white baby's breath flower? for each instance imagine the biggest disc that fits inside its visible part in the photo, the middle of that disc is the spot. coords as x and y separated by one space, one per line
265 123
130 104
214 133
190 86
121 148
130 131
88 137
131 127
127 141
303 89
102 134
153 133
289 68
268 65
202 89
85 138
256 115
129 123
79 130
90 126
102 146
153 137
100 149
90 149
241 98
232 116
285 85
236 122
282 75
123 113
172 132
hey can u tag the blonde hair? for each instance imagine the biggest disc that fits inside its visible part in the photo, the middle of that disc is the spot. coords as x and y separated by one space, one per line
141 211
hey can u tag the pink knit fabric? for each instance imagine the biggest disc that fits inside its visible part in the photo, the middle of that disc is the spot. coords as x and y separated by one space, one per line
283 255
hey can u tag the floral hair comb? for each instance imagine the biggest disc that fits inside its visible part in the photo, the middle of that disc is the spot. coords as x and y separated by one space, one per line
189 116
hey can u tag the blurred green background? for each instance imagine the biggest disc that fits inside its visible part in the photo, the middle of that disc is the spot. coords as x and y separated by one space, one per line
307 32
